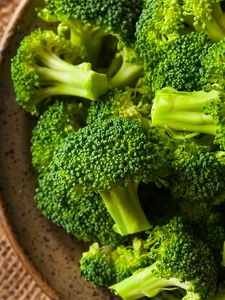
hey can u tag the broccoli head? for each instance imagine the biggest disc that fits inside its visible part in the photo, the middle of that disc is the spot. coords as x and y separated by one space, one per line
111 157
179 66
157 28
62 117
39 71
197 176
162 22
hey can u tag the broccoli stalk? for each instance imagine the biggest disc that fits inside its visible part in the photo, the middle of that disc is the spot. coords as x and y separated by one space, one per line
144 283
130 70
40 72
199 111
91 37
125 209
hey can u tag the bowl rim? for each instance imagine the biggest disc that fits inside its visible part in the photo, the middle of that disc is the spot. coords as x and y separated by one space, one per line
5 222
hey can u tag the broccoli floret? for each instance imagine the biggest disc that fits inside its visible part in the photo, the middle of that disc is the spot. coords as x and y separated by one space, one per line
213 70
117 103
40 72
197 176
104 266
115 16
179 66
193 112
111 157
180 260
87 219
205 16
162 22
62 117
96 265
157 28
78 31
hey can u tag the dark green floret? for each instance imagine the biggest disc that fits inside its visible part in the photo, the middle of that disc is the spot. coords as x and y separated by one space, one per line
111 157
181 260
197 176
116 103
47 65
62 117
179 66
126 68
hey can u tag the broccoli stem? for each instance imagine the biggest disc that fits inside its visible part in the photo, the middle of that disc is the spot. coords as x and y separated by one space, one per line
127 75
81 79
218 14
123 205
144 283
91 37
183 111
129 72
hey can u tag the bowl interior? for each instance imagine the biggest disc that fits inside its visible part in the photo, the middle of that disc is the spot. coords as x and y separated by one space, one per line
48 252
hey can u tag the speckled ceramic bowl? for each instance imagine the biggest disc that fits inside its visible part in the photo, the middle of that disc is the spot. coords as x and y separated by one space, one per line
49 254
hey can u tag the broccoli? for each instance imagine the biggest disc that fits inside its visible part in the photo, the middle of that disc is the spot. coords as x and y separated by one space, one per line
157 28
117 103
62 117
197 176
87 219
192 112
130 69
213 70
180 260
162 22
179 66
89 22
110 157
116 17
39 72
104 266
